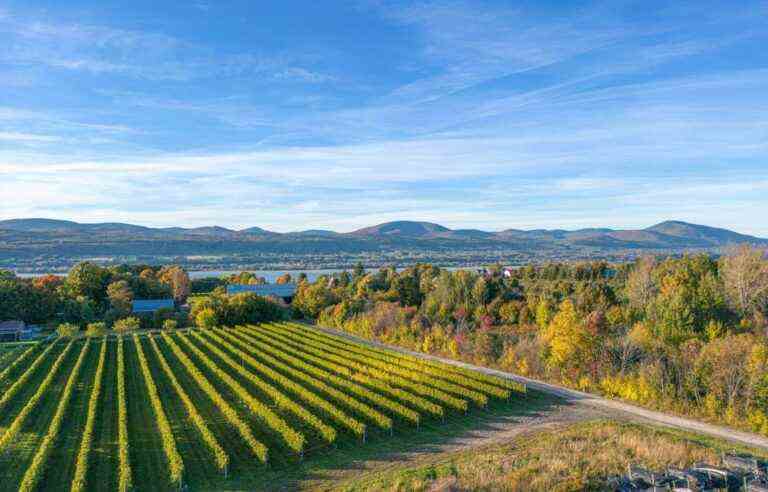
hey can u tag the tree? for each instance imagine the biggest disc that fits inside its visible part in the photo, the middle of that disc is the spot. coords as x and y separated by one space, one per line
67 330
127 324
120 296
311 299
745 275
569 341
178 280
96 329
641 286
725 365
284 279
206 318
88 280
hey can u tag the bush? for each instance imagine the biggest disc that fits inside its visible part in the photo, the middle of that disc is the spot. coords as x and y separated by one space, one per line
170 324
67 330
126 324
96 329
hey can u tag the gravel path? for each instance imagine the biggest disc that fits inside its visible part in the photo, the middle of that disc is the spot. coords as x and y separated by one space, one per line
585 399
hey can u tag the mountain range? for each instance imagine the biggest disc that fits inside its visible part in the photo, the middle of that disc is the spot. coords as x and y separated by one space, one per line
41 238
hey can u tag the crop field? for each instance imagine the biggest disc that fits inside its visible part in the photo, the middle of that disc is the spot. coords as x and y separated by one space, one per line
237 409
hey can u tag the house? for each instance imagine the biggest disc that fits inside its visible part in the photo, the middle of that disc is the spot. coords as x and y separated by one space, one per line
12 330
151 306
286 292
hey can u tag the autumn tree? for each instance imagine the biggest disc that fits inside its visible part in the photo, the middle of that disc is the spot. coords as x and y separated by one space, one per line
641 286
177 279
569 342
745 275
120 296
284 279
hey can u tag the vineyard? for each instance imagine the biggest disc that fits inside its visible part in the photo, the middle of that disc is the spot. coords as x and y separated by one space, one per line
216 409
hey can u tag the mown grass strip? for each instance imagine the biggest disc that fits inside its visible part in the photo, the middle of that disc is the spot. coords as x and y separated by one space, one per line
230 414
293 439
284 351
175 462
81 467
125 475
18 360
290 384
25 376
365 356
12 431
35 470
219 455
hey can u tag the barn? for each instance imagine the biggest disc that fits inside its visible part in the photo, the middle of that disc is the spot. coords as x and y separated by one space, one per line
12 330
151 306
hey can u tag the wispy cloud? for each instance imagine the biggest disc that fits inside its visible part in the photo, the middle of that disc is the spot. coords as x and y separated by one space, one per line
473 114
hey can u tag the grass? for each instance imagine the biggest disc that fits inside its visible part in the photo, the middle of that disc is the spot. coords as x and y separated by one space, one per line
580 456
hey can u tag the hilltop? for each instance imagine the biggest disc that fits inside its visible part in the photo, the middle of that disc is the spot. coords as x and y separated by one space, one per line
22 240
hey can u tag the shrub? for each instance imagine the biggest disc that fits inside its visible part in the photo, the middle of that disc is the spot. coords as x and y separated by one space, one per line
126 324
67 330
170 324
96 329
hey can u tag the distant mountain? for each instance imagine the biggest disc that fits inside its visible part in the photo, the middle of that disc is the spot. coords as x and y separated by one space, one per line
403 228
691 232
36 241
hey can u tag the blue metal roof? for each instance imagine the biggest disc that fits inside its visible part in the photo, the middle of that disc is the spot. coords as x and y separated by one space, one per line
152 305
276 290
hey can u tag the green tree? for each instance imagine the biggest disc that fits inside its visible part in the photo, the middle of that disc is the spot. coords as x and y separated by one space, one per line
88 280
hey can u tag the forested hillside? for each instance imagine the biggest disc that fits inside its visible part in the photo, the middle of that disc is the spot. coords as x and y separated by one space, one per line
685 335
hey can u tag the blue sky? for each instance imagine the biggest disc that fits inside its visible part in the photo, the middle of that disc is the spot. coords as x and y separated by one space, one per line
303 114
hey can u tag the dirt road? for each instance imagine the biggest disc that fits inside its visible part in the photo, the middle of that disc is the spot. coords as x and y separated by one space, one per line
588 400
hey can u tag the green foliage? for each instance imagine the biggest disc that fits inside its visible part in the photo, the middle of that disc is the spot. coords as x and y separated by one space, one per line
96 329
206 318
170 324
224 310
127 325
67 330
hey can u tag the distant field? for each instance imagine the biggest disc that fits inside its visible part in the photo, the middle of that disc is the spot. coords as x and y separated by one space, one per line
249 408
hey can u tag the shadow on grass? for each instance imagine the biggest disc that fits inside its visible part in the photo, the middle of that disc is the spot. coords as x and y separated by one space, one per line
321 467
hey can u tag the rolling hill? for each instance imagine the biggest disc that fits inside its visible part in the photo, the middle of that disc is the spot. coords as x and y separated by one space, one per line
26 240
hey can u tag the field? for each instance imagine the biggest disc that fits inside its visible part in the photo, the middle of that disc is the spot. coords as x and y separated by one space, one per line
570 457
254 407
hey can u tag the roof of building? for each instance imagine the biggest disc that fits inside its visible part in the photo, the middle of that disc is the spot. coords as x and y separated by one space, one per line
152 305
12 325
276 290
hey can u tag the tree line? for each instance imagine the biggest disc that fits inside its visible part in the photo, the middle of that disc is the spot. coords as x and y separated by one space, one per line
686 334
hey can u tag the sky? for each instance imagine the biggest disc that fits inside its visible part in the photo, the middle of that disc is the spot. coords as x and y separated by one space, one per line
298 115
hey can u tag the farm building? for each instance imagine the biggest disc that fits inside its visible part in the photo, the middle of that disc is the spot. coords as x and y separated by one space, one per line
281 291
12 330
151 306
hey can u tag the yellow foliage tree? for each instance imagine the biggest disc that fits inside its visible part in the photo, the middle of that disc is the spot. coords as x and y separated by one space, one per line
568 340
